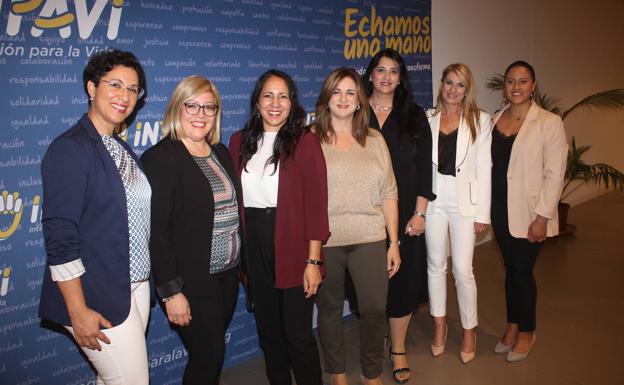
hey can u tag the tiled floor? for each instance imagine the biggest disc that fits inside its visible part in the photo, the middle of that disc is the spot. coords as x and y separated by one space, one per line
580 334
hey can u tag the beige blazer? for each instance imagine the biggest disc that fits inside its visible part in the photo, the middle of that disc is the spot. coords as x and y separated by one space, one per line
473 167
536 170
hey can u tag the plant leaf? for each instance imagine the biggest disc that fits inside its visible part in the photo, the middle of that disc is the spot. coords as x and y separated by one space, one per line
495 82
599 174
609 100
548 103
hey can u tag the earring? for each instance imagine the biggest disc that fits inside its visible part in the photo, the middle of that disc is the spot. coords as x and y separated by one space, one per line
533 95
90 97
399 82
358 107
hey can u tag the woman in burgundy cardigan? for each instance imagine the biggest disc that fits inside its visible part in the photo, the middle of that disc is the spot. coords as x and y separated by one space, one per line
284 183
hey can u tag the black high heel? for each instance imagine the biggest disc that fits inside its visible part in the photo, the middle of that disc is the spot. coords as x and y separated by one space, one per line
399 371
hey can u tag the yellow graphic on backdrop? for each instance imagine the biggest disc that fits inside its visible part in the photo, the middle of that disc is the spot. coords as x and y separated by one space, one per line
365 34
20 7
54 22
10 206
4 286
56 15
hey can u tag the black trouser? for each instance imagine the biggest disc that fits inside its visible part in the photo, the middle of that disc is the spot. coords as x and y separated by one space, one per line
283 316
204 338
519 256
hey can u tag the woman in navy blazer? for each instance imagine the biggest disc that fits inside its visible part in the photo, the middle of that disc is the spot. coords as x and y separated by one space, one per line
196 241
96 226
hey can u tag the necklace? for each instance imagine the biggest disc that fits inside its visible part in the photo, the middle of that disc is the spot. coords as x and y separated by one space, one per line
380 108
517 118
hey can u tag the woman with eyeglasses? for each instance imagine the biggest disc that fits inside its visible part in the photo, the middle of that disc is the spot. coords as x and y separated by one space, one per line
96 226
196 240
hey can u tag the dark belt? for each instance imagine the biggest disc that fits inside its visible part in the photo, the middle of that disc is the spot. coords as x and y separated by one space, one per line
265 210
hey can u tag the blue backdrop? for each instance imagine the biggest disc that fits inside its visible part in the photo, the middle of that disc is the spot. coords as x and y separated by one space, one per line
44 46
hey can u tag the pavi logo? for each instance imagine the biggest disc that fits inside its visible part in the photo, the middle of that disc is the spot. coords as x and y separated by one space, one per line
56 15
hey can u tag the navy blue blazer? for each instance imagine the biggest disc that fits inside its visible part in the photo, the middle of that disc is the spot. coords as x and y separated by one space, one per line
85 216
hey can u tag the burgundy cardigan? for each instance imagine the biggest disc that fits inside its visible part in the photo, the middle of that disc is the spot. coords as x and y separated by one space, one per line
301 207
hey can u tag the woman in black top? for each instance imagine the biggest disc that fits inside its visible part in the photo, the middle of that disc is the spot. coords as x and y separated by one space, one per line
195 243
405 128
529 151
461 135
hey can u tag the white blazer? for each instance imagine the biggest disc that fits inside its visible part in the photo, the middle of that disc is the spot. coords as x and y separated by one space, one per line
473 166
536 171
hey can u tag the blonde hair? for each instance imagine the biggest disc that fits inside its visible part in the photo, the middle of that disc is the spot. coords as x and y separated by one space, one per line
469 111
322 126
187 89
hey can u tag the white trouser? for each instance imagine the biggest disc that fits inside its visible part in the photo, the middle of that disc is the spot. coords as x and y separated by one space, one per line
446 218
124 361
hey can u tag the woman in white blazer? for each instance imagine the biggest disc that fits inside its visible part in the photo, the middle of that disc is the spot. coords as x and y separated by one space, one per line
529 150
461 138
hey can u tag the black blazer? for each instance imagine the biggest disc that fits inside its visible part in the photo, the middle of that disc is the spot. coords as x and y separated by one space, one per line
182 217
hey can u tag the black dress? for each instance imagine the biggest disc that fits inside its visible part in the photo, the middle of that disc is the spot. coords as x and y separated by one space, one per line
410 150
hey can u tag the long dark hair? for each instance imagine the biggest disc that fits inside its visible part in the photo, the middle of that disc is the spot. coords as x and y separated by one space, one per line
288 135
402 100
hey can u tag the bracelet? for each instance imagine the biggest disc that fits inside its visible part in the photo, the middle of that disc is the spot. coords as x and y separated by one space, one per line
311 261
398 242
419 214
167 299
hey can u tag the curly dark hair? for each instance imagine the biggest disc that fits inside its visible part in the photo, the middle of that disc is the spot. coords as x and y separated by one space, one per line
103 62
288 135
403 101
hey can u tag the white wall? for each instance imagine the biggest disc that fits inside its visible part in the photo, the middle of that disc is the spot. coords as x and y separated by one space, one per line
575 45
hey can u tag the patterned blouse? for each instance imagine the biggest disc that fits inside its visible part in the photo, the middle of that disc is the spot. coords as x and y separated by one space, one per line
138 200
226 242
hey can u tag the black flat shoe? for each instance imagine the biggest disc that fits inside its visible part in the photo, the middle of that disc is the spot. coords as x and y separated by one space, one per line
399 371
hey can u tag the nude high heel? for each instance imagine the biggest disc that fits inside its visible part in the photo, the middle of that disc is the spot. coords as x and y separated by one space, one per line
466 357
515 356
502 348
438 350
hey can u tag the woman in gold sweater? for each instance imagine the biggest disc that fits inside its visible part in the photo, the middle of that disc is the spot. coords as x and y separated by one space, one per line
362 208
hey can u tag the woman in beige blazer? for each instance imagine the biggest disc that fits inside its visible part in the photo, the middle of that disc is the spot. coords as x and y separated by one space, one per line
461 138
529 150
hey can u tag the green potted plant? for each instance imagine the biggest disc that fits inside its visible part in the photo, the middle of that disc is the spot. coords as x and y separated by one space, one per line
578 173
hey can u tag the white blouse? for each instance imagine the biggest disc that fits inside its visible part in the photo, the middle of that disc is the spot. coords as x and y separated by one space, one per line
259 181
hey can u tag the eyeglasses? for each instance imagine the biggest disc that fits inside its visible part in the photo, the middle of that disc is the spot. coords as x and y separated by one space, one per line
118 85
193 109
